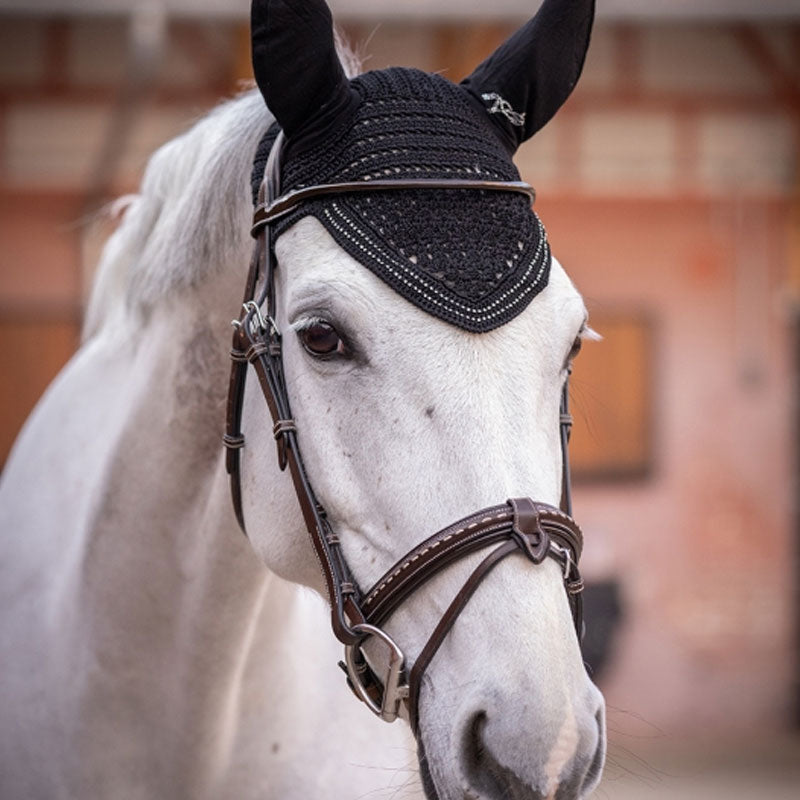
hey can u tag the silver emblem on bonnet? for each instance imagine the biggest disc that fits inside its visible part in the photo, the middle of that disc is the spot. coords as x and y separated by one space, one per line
502 106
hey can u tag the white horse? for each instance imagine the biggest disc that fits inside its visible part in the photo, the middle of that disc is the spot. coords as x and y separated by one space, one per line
151 651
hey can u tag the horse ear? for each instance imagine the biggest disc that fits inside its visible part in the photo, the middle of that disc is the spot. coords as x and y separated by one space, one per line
295 62
530 76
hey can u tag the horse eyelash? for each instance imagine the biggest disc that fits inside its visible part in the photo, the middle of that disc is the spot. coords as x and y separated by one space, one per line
589 334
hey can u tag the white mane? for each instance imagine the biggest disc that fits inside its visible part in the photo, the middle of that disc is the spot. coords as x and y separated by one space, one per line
190 216
192 212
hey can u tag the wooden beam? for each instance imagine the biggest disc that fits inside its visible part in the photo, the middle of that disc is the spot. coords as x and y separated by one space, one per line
460 48
785 85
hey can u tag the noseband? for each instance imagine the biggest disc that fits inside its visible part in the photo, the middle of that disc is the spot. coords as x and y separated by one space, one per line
535 529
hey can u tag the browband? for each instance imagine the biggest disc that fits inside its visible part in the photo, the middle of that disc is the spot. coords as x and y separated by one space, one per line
270 211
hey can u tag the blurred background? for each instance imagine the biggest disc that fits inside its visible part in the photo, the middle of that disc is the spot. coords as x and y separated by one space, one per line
670 189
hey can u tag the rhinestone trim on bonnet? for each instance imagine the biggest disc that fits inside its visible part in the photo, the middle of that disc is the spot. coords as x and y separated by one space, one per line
472 258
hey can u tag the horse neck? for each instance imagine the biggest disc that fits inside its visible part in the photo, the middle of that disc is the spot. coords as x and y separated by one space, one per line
163 559
216 652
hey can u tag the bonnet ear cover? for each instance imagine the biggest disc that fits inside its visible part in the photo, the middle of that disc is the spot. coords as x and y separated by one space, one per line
472 258
296 65
529 77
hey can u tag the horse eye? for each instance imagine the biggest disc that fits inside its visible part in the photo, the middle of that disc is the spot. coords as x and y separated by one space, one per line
576 348
321 339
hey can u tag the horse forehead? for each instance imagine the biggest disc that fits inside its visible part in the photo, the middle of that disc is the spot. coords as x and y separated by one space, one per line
315 268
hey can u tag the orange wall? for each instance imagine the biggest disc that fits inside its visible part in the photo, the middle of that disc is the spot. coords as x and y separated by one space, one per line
702 547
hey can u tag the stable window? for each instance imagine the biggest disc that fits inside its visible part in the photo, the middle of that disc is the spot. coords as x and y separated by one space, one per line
611 400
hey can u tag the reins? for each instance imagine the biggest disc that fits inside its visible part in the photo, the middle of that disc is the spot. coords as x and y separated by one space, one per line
535 529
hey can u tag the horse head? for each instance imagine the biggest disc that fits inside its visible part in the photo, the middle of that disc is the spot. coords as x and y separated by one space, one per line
423 335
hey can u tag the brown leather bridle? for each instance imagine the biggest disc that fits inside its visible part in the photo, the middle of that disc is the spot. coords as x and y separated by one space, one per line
537 530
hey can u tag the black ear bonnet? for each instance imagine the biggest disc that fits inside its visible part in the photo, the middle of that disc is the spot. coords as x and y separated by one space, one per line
472 258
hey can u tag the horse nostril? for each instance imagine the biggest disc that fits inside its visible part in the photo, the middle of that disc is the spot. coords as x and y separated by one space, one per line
473 739
484 775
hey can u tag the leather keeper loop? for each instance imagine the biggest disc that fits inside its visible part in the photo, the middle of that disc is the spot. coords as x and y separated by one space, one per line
575 587
255 350
283 426
527 531
281 430
233 442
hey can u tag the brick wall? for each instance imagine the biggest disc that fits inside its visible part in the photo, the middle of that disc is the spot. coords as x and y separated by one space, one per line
75 131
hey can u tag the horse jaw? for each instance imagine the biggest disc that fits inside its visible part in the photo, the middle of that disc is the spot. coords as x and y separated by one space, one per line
425 424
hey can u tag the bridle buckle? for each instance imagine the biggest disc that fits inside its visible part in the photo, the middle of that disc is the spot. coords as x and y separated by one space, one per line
395 688
258 322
